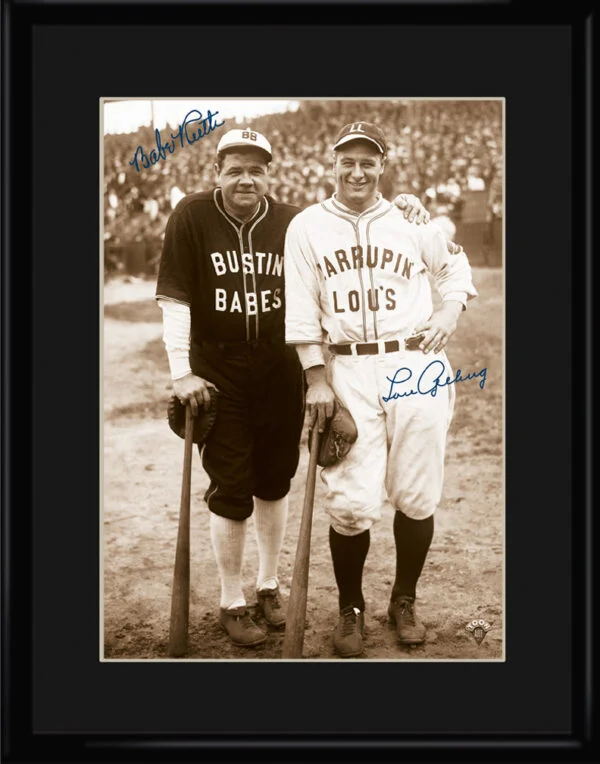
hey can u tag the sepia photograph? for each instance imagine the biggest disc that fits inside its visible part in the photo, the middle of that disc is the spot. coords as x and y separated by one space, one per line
302 355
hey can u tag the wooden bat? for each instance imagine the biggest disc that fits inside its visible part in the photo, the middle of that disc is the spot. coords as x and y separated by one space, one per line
294 630
180 598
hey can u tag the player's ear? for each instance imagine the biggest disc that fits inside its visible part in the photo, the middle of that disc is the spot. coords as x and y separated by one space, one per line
217 169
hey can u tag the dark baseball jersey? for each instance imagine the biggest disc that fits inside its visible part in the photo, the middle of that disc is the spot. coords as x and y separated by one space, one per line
229 273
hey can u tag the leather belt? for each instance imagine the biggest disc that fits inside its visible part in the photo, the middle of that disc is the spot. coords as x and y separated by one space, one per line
366 348
374 348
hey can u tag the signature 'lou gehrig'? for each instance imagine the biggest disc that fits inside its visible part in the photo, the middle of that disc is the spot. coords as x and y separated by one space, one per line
356 275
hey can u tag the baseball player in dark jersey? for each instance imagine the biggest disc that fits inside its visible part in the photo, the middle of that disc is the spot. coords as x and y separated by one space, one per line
221 290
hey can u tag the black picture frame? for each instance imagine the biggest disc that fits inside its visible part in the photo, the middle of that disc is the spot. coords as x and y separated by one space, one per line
51 384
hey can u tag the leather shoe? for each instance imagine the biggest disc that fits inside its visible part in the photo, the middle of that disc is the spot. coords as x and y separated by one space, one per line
271 605
348 637
409 629
240 627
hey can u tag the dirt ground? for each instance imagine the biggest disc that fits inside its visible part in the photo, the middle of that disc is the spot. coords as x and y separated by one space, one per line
463 577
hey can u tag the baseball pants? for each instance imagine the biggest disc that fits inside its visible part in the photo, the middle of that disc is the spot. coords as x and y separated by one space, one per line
253 447
400 450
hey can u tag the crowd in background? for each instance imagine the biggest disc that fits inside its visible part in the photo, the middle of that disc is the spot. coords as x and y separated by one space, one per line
438 150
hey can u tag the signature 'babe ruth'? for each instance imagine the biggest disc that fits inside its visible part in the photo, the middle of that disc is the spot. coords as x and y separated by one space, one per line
356 280
221 290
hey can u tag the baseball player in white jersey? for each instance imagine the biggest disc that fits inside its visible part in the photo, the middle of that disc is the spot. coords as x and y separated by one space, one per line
356 281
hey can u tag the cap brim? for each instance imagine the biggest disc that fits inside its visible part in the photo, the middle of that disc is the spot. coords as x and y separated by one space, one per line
348 138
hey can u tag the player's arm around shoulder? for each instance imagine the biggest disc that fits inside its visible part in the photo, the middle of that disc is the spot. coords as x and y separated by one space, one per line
448 263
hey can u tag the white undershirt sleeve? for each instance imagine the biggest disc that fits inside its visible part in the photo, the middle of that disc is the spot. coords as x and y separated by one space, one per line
176 336
310 355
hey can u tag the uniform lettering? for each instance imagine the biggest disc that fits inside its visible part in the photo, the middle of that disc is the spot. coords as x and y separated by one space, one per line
343 263
218 263
266 300
387 257
353 301
329 267
261 256
247 263
373 299
220 299
278 266
265 307
263 263
251 304
233 261
336 308
357 257
372 260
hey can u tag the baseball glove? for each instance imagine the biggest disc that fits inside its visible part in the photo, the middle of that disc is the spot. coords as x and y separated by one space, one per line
203 422
337 438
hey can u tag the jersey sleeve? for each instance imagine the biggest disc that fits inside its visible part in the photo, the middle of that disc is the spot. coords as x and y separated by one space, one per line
449 265
302 287
175 270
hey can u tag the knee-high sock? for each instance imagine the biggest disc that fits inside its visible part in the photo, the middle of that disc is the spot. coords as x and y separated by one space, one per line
228 539
413 539
270 518
348 554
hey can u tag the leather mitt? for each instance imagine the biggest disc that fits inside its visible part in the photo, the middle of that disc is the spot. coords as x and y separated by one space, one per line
203 422
337 438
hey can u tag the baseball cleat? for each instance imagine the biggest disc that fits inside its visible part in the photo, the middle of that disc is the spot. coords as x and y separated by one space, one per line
348 637
409 630
272 607
240 627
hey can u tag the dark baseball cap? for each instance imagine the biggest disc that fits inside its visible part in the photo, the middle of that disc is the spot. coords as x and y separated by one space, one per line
366 131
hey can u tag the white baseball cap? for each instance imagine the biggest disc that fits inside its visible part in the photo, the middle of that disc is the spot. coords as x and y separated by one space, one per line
247 137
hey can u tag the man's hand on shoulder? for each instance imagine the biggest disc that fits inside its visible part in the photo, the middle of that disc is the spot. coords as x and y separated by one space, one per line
413 210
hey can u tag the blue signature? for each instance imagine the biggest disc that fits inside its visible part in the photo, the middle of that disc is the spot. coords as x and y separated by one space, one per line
190 136
428 384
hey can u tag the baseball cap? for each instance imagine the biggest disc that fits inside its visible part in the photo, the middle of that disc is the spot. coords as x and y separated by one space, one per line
367 131
238 138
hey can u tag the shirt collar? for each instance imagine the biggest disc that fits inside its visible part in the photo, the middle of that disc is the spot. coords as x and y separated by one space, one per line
218 197
343 208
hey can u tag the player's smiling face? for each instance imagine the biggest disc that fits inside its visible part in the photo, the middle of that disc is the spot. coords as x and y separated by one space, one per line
244 179
358 167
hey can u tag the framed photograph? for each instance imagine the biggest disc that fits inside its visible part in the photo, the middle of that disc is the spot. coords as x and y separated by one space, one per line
296 438
143 186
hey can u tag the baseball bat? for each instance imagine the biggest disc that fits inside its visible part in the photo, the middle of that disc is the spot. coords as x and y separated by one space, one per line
294 630
180 598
